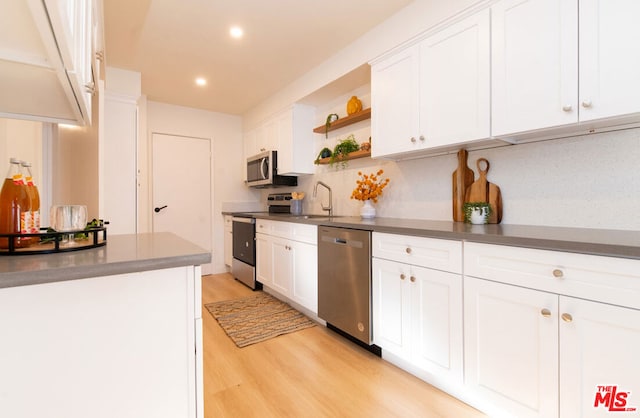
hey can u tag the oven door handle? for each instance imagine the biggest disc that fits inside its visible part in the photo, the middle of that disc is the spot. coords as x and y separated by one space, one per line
264 168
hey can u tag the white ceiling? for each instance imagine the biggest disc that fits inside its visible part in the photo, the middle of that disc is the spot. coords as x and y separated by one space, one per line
171 42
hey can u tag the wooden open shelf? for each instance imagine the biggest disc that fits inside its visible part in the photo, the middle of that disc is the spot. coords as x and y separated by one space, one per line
346 121
351 156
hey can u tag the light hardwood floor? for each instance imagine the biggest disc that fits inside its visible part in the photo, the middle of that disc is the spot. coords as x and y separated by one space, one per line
309 373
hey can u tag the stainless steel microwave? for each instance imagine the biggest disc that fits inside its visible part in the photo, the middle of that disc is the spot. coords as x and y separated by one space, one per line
262 171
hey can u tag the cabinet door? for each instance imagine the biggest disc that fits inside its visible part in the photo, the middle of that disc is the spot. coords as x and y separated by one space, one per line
72 23
250 146
264 259
228 247
599 346
436 299
534 46
281 266
394 104
305 275
391 307
511 347
609 58
295 142
455 83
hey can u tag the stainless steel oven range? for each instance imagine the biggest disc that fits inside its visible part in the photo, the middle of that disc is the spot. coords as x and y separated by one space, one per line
243 265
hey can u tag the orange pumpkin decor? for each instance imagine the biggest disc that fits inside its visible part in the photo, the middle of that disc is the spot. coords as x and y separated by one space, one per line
354 105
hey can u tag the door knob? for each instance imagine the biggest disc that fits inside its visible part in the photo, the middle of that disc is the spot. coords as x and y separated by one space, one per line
156 210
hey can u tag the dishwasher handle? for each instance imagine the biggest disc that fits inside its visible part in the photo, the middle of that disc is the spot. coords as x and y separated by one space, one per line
342 241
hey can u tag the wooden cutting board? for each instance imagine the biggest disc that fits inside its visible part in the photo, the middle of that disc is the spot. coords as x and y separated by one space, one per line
461 179
483 191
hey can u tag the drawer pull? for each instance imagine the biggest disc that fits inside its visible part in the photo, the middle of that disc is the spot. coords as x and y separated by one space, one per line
413 279
567 317
408 250
558 273
402 276
545 312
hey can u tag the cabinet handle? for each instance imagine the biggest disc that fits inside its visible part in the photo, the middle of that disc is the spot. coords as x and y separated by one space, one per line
90 88
545 312
413 279
567 108
413 139
567 317
557 273
422 138
402 276
586 104
408 250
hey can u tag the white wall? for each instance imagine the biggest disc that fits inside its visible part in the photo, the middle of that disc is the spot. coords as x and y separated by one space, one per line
226 133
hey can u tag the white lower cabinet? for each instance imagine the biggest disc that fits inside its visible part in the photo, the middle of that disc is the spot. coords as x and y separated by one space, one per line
287 260
228 240
417 311
511 349
418 316
599 367
544 350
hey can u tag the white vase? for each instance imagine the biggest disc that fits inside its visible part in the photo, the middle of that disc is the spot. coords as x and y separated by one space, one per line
479 216
368 211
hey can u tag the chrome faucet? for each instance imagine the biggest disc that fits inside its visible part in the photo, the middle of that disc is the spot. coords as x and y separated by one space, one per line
315 193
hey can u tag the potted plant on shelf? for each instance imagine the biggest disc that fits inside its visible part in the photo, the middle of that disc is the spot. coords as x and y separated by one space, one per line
342 150
324 153
369 188
476 213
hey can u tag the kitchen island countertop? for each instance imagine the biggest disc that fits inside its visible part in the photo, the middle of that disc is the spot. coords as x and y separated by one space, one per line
603 242
122 254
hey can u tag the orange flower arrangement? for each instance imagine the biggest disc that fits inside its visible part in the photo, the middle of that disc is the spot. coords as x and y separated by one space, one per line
369 186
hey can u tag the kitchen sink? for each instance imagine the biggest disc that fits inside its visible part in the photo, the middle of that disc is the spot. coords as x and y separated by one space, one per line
312 217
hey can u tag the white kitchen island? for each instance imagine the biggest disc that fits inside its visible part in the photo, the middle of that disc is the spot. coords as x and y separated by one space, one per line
113 331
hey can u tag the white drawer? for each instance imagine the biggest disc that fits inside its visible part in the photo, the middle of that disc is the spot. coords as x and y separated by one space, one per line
289 230
439 254
604 279
304 233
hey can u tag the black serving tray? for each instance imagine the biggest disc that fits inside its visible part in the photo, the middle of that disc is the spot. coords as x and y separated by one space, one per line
55 242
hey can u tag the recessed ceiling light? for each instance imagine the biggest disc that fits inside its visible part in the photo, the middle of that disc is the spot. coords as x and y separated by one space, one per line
201 81
236 32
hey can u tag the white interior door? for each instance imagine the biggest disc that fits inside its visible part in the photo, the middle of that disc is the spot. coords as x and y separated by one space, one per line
182 188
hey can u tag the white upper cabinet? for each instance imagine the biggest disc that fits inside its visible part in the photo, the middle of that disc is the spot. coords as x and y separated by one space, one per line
535 65
609 58
454 87
72 24
290 132
564 64
46 55
394 104
434 95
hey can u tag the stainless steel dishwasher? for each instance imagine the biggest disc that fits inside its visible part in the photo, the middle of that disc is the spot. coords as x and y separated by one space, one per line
344 282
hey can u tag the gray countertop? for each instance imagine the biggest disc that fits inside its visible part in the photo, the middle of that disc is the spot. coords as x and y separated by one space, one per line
612 243
122 254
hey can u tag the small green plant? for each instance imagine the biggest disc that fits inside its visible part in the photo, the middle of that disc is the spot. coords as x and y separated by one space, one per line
330 119
342 149
324 153
469 207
